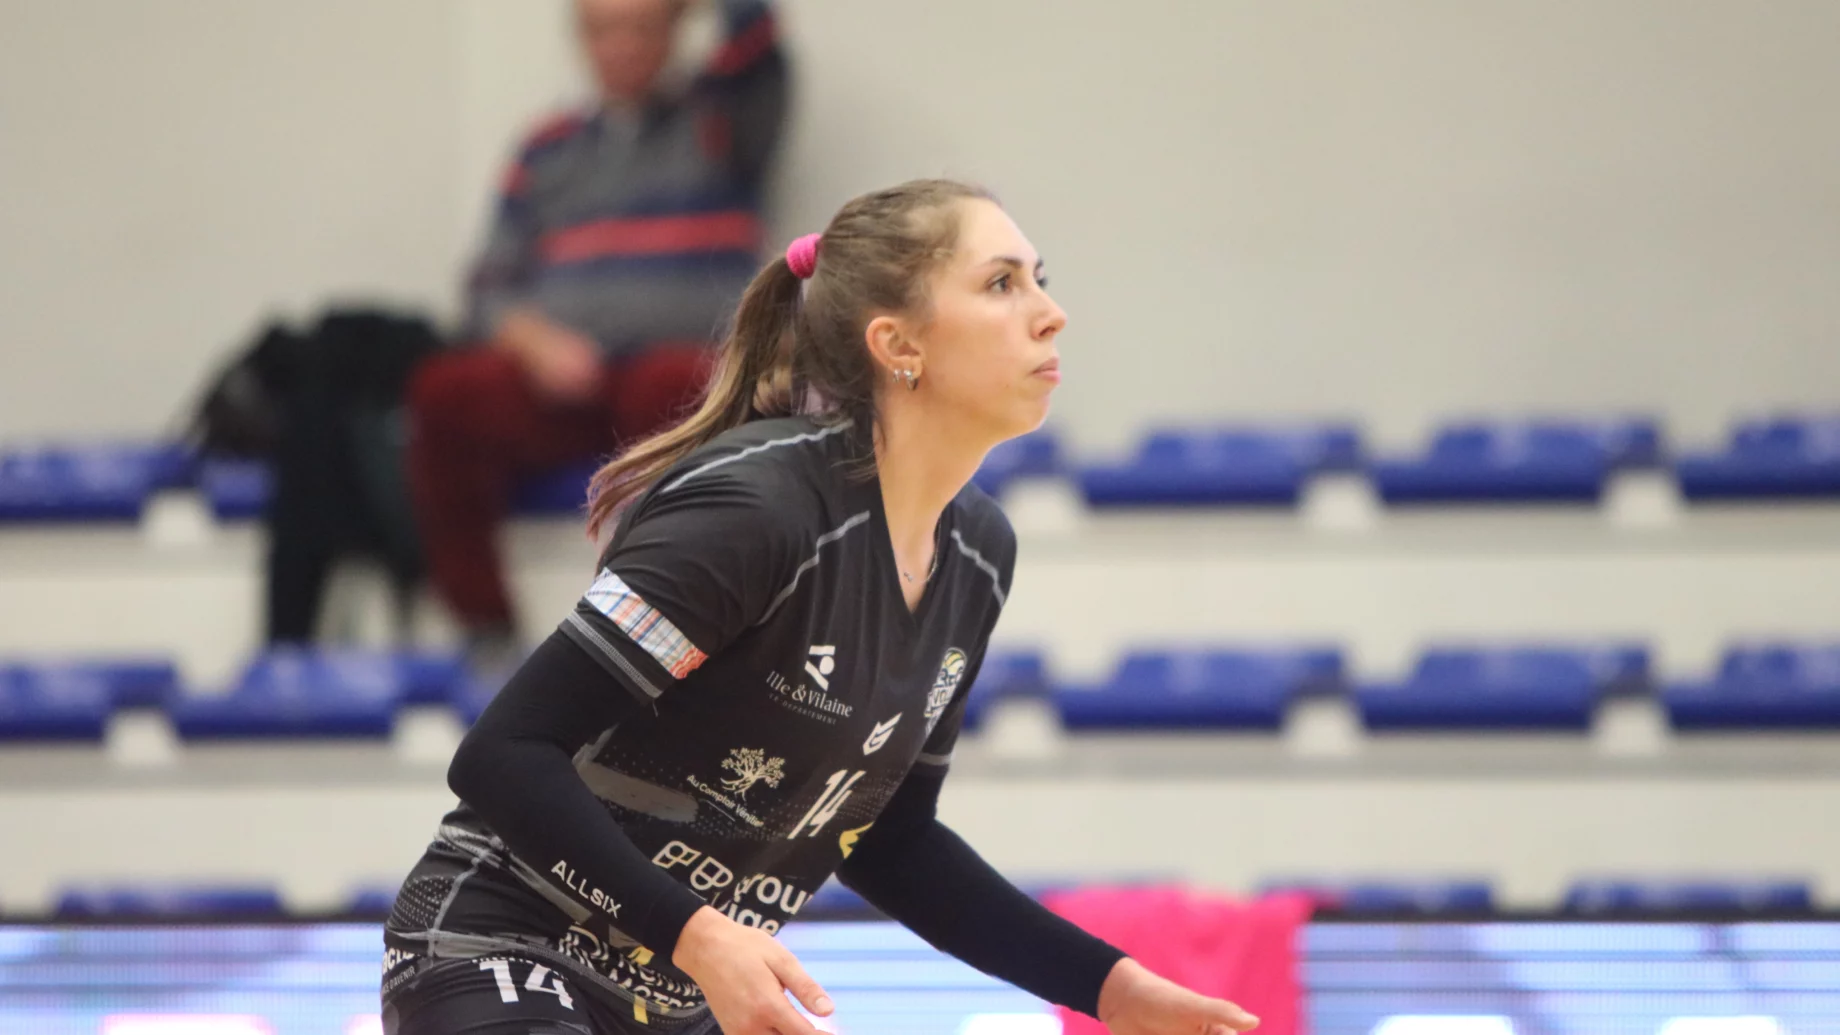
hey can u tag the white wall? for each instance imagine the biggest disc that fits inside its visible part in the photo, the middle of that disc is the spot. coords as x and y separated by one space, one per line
171 172
1396 210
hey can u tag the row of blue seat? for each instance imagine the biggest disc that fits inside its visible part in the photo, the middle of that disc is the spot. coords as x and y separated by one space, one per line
113 483
299 693
1538 461
1775 686
1469 462
1591 896
282 693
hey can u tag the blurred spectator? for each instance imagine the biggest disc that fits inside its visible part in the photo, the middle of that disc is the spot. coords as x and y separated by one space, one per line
624 236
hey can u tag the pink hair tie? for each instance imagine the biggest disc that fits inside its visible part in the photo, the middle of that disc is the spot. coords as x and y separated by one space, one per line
802 256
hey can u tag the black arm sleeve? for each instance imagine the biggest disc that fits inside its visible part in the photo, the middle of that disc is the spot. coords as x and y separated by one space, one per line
516 769
915 869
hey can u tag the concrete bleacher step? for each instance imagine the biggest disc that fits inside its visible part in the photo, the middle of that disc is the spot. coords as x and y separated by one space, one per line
1770 570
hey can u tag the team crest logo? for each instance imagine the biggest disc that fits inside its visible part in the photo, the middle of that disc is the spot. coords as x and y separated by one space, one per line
945 684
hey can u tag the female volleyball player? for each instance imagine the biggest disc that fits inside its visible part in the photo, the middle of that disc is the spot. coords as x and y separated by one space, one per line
764 684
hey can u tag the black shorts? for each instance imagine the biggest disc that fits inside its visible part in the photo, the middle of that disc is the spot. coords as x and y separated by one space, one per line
491 995
503 994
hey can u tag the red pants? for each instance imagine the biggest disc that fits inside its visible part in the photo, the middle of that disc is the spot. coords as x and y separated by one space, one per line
477 425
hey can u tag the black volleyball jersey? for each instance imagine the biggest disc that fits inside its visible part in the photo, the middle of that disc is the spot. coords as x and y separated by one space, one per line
750 600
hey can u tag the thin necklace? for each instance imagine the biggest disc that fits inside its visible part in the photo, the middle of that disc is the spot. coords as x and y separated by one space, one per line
935 565
929 572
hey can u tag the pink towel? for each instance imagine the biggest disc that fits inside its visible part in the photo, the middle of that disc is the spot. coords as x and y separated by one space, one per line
1243 951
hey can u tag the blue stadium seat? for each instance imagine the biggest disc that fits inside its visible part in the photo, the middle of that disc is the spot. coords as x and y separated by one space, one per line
129 682
1544 461
1035 455
1631 441
559 493
1782 458
1221 466
1199 689
430 676
95 483
1317 447
1635 895
1503 688
1762 687
298 693
237 490
182 901
1421 897
372 901
1006 674
53 703
137 682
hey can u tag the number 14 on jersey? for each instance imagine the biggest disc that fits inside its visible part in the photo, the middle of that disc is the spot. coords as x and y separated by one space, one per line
837 790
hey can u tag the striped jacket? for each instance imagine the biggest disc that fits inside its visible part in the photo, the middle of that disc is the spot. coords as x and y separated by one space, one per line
644 229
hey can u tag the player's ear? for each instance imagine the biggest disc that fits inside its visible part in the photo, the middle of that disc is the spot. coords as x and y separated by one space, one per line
891 347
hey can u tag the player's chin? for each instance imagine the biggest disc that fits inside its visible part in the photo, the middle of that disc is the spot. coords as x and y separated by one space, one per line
1029 414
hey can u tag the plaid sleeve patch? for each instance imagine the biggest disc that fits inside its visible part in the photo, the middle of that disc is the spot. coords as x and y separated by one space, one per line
644 625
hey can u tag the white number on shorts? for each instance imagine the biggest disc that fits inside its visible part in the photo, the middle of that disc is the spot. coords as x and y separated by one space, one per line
501 969
507 989
537 973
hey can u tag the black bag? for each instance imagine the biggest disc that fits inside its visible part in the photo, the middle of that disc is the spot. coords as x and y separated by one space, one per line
240 413
325 408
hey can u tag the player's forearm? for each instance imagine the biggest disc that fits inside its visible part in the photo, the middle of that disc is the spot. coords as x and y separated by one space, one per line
515 768
940 888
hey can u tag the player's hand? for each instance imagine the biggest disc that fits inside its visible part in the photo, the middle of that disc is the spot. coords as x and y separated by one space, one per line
745 975
1135 1001
565 366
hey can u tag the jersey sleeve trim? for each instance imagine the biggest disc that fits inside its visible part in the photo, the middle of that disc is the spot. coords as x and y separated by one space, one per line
601 649
996 579
811 436
644 624
937 761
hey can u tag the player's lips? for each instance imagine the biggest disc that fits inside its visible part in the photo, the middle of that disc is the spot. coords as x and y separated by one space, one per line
1050 370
